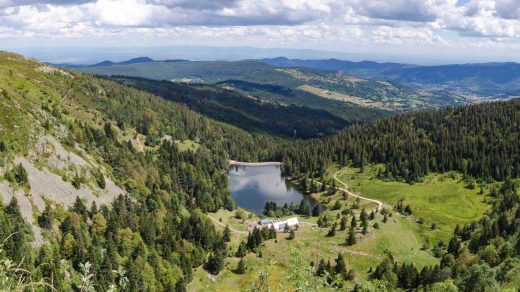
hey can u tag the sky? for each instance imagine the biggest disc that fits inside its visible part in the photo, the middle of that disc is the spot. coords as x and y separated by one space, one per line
428 31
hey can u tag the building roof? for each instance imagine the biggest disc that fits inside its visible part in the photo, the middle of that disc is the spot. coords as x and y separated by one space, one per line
293 221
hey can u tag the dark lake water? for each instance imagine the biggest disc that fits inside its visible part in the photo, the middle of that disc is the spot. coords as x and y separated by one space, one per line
252 186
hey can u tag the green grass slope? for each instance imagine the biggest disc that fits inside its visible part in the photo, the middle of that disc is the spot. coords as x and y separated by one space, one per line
442 199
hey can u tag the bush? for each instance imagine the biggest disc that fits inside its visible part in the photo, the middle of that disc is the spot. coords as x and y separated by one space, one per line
240 214
292 235
99 177
18 175
77 181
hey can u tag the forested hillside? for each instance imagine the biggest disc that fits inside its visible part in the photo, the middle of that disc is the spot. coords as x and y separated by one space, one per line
248 112
482 141
154 233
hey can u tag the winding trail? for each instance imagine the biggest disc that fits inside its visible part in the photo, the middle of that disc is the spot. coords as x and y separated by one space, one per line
379 203
224 225
345 189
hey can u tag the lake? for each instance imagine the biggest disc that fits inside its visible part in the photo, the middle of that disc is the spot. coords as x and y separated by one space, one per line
252 186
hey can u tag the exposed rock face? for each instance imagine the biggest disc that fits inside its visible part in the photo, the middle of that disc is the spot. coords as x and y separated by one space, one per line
51 157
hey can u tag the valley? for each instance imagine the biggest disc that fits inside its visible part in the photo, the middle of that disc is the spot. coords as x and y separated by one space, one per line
417 237
259 80
143 176
259 146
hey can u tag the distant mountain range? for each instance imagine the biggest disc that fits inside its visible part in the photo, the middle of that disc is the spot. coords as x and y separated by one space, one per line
301 85
485 79
323 83
363 69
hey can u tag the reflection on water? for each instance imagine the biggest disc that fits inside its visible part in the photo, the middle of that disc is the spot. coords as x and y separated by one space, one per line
252 186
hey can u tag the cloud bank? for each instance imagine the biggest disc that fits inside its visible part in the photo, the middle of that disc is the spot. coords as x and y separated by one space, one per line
479 24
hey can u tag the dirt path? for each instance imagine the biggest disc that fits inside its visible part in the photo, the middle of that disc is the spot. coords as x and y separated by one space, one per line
379 203
224 225
345 189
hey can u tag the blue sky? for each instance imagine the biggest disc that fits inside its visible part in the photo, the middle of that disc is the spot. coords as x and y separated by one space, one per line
450 30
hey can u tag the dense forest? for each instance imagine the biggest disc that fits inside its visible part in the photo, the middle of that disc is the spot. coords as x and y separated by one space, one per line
481 141
243 111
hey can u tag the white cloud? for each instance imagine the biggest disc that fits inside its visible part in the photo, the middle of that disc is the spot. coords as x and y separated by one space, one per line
439 23
509 9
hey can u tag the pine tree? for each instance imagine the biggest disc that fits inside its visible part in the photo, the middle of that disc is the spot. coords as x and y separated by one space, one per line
365 227
45 219
242 250
332 230
341 266
351 240
215 263
363 216
316 211
343 223
80 208
241 267
226 236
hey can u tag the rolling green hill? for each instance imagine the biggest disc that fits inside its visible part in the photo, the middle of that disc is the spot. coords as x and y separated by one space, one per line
478 82
322 84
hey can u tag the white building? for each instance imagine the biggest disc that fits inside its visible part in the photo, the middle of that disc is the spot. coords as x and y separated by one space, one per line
280 225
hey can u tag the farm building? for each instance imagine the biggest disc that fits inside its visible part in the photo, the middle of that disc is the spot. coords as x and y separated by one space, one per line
280 225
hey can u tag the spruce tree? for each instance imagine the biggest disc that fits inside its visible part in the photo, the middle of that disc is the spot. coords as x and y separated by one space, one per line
241 267
226 236
343 223
341 266
351 239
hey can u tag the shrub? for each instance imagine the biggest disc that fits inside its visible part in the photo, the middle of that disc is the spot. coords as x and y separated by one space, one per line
18 175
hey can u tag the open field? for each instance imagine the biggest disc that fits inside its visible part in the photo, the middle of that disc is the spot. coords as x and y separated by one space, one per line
342 97
440 199
315 245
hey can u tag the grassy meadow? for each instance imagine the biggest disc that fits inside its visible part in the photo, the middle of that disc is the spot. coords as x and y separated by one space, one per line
442 199
315 245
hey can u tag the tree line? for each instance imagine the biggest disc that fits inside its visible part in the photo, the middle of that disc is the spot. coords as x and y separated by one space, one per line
480 141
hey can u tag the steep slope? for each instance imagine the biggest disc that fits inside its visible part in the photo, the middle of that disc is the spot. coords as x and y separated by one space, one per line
69 140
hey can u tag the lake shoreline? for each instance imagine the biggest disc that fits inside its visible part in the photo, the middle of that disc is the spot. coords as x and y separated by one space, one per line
268 163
